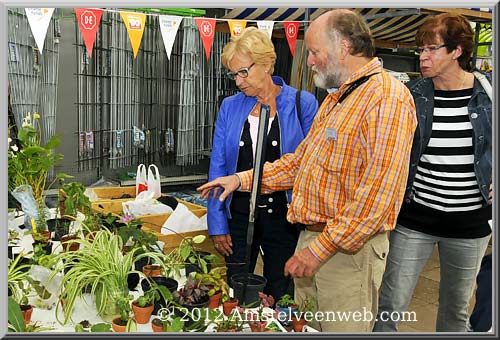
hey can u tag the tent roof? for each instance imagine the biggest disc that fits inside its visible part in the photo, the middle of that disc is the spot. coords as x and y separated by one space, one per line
391 27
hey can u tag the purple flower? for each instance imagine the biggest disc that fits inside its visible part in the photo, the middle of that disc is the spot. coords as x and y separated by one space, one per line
127 218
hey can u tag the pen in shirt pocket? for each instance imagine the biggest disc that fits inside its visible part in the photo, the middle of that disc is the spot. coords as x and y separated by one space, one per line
331 134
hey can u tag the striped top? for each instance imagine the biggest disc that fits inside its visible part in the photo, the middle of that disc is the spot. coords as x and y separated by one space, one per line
445 178
351 169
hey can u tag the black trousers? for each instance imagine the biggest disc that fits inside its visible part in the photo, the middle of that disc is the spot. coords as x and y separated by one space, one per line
278 240
481 316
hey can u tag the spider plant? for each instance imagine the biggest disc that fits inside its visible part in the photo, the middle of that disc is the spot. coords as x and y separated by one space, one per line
17 276
100 267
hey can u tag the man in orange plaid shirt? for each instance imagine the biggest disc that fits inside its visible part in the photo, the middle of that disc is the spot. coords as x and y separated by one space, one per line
348 175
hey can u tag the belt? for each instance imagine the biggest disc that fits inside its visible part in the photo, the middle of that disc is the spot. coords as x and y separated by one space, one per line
318 227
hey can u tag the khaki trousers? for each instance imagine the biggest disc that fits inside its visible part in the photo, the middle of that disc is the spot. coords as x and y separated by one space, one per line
345 286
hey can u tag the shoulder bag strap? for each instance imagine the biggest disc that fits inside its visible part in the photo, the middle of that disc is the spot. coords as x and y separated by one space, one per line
484 83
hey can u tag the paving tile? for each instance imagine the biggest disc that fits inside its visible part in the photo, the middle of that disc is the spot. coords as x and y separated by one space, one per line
425 318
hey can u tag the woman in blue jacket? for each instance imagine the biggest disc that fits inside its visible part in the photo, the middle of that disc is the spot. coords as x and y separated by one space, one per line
250 57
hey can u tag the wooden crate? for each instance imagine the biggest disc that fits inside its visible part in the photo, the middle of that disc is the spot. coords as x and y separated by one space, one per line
108 193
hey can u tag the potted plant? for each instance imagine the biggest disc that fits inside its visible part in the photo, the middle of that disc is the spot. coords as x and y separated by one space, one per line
215 281
286 306
19 284
233 323
258 320
143 306
16 322
29 165
99 266
306 307
123 323
174 324
188 253
228 304
193 295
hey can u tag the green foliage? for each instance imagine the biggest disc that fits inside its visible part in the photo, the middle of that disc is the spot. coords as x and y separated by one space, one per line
15 316
286 301
99 265
215 279
123 305
18 279
176 324
74 198
30 164
188 252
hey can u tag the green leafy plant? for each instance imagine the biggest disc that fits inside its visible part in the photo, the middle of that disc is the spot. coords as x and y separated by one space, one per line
215 280
176 324
233 323
134 237
18 278
286 301
74 198
31 161
123 305
85 327
16 320
188 252
100 266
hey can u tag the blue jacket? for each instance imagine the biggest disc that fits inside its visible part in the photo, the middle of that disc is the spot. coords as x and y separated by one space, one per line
232 115
479 108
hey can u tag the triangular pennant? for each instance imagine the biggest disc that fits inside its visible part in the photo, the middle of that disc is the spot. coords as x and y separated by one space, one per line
135 27
39 20
169 24
266 26
236 26
207 31
88 19
291 32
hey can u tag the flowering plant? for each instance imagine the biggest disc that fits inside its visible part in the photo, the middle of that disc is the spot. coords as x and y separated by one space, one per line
30 161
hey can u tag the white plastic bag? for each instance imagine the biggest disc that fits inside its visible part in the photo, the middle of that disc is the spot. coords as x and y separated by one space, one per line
145 204
141 180
153 181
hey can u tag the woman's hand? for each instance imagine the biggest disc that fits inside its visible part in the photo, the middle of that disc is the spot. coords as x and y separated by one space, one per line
223 244
229 183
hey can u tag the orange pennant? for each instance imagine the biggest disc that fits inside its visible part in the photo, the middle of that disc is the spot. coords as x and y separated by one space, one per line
88 19
291 32
135 27
236 26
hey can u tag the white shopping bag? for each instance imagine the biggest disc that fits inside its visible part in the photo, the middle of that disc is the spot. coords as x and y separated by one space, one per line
141 180
153 181
145 204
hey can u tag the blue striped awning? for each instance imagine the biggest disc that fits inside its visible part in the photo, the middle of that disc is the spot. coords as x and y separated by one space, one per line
395 25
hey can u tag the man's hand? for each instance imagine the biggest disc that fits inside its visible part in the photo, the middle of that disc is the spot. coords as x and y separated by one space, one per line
223 244
229 183
302 263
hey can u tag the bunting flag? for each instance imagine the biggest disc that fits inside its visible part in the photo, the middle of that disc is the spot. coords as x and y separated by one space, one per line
266 26
169 24
39 20
135 28
291 32
88 20
206 27
236 26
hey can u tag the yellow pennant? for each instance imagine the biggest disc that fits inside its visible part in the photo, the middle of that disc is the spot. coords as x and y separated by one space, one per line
135 27
236 26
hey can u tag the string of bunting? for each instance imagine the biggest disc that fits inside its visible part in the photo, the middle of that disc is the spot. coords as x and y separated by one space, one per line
89 19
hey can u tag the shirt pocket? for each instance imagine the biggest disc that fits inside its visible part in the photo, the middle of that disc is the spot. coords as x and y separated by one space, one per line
339 153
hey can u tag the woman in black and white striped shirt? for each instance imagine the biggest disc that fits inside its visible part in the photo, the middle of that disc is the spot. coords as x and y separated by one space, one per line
448 195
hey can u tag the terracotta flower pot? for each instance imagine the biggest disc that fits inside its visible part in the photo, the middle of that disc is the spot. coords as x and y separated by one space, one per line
157 325
152 270
215 300
27 310
298 324
69 246
43 236
142 314
229 305
258 326
119 325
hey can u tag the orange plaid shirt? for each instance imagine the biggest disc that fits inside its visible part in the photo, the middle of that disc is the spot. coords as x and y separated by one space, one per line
351 170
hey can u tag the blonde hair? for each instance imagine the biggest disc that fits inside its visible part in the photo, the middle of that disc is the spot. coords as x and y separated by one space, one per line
254 43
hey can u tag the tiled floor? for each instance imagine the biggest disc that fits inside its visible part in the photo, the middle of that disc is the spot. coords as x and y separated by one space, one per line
425 297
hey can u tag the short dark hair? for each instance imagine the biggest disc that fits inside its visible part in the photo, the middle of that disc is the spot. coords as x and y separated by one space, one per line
352 26
454 29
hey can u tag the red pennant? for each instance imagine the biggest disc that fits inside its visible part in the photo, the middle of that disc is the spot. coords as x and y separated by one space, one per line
291 32
88 20
207 31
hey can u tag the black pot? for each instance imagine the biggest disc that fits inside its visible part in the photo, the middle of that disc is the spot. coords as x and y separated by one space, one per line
196 307
9 252
60 227
193 267
47 246
168 282
24 260
253 285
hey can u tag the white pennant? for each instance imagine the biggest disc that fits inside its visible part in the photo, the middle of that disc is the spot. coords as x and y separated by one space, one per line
266 26
39 20
169 24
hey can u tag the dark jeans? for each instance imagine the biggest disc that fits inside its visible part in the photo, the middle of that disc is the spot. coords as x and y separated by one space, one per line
480 318
277 238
